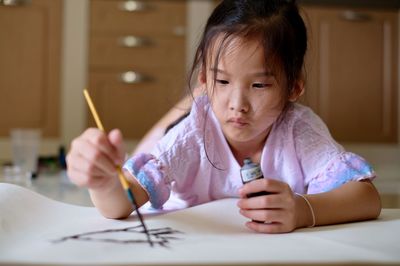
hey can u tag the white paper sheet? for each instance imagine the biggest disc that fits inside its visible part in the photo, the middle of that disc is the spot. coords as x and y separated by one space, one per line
213 233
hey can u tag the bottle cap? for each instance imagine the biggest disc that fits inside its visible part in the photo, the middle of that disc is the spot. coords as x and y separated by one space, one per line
250 171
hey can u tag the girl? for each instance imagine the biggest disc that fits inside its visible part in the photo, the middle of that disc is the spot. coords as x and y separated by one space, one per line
249 68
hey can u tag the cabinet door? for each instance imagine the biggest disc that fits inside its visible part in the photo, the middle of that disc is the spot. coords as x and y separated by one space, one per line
352 72
30 35
136 62
133 107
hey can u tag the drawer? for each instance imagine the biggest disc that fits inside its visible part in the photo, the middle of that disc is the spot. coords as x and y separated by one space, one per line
157 17
134 108
122 51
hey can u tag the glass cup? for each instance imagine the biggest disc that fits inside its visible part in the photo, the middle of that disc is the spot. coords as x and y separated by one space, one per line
25 143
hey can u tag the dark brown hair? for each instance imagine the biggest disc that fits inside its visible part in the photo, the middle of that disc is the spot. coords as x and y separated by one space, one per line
276 24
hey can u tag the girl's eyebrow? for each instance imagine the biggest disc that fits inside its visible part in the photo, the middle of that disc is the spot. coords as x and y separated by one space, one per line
219 71
257 74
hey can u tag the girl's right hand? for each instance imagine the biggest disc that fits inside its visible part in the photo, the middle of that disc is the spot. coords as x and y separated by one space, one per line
93 157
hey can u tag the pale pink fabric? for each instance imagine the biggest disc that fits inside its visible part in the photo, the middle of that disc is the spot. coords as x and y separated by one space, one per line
298 151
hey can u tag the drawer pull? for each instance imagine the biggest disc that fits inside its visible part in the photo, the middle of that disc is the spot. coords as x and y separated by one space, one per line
133 41
351 15
132 77
14 2
133 6
179 31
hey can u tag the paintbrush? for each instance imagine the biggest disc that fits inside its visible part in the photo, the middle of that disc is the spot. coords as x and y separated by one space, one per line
121 175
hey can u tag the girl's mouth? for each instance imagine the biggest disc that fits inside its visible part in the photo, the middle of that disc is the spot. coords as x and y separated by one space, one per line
238 122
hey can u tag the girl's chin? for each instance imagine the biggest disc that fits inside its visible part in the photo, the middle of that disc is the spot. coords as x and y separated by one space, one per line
238 138
242 137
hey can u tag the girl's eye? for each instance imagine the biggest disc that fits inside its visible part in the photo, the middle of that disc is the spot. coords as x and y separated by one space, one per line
261 85
222 82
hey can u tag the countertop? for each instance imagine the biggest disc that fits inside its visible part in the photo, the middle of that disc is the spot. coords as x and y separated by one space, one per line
55 186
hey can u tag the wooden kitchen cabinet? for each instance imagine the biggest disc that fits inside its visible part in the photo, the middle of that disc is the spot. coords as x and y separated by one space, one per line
136 61
352 71
30 45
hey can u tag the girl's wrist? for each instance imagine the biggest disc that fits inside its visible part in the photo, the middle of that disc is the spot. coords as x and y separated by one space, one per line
107 188
305 212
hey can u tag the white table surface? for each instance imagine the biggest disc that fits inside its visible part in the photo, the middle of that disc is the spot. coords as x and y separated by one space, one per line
212 234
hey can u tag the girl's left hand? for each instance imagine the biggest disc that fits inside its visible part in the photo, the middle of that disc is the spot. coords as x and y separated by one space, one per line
276 211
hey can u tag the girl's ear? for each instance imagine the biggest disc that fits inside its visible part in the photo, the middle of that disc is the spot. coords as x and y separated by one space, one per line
201 78
297 91
202 84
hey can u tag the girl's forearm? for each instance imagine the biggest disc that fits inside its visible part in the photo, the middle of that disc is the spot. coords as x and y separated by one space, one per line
353 201
111 201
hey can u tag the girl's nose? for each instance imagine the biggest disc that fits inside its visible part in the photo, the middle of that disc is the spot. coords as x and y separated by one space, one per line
239 101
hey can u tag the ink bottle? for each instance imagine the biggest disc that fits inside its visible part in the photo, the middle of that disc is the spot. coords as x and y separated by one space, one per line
249 172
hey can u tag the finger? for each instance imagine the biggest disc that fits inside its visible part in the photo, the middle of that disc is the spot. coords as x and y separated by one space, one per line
84 173
83 180
77 177
116 139
98 167
267 216
268 185
100 141
90 159
273 228
271 201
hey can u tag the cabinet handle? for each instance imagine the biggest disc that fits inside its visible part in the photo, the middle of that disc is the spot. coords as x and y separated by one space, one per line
355 16
14 2
179 31
131 41
133 6
132 77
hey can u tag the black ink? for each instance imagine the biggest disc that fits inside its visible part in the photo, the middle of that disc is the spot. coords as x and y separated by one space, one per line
135 206
161 236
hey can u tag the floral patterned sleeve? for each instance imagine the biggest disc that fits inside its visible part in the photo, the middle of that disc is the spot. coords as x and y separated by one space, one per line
345 167
152 177
325 164
173 163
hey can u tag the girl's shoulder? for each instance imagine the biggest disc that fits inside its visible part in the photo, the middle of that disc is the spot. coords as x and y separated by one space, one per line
300 117
298 111
311 137
308 133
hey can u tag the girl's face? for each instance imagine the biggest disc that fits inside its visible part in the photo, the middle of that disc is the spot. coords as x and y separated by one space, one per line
246 98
